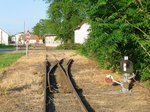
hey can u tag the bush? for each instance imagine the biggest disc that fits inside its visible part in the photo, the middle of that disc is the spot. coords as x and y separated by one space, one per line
6 46
69 46
119 29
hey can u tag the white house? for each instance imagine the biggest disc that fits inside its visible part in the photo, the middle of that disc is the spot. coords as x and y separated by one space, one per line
50 40
81 33
4 37
18 37
21 38
13 39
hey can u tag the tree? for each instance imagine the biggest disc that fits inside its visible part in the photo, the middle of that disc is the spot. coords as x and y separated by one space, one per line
42 28
64 17
118 29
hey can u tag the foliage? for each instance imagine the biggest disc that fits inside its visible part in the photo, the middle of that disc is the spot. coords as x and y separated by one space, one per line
8 58
69 46
147 83
6 46
42 28
64 17
118 29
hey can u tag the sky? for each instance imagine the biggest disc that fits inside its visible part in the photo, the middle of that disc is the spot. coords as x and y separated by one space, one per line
15 14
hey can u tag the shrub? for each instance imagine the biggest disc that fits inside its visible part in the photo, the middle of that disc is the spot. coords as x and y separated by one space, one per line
69 46
119 29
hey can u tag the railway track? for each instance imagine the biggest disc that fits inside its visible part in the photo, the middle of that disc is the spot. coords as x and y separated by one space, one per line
70 92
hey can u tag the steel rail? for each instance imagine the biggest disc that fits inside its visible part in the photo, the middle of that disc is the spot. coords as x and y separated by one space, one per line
48 94
47 66
48 76
83 107
50 72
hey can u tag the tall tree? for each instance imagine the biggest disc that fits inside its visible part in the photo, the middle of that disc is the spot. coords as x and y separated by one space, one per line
64 17
42 28
120 28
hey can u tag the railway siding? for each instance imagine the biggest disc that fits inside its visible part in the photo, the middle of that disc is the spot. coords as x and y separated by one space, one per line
21 88
67 87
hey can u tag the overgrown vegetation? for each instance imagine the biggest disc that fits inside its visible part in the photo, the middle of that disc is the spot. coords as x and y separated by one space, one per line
118 29
7 59
63 18
147 83
69 46
6 46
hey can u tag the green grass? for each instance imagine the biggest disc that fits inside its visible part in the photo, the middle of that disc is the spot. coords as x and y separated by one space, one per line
6 46
6 59
69 46
147 83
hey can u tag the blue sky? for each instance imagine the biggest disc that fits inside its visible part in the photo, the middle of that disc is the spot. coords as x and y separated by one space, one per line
13 13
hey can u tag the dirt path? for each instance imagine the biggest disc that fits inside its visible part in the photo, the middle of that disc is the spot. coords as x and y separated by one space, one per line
21 85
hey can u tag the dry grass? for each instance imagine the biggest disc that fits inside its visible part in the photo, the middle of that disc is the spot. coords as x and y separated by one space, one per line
21 85
21 88
99 94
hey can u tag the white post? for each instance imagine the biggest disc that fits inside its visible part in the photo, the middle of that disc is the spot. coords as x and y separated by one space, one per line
16 44
16 47
125 69
27 47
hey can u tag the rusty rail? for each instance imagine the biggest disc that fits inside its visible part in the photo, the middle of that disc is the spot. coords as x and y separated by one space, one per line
47 67
49 85
70 84
50 73
66 83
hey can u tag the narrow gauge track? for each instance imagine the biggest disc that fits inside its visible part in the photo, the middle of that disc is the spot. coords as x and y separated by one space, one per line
49 86
67 83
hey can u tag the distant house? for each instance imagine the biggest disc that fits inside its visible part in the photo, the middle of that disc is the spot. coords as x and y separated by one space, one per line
21 38
33 39
81 33
4 37
18 38
50 40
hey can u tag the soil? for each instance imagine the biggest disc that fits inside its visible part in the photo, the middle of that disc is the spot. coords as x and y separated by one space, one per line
22 90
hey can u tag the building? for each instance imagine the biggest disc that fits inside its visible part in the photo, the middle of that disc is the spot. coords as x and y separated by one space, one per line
18 38
81 33
4 37
21 38
50 40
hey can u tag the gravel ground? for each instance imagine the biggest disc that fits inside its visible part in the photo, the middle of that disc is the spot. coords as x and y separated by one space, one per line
21 86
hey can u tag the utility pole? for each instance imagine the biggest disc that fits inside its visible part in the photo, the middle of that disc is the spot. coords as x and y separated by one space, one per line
27 47
27 41
24 27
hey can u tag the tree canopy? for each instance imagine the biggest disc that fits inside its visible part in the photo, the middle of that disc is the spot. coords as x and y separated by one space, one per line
118 28
42 28
63 18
